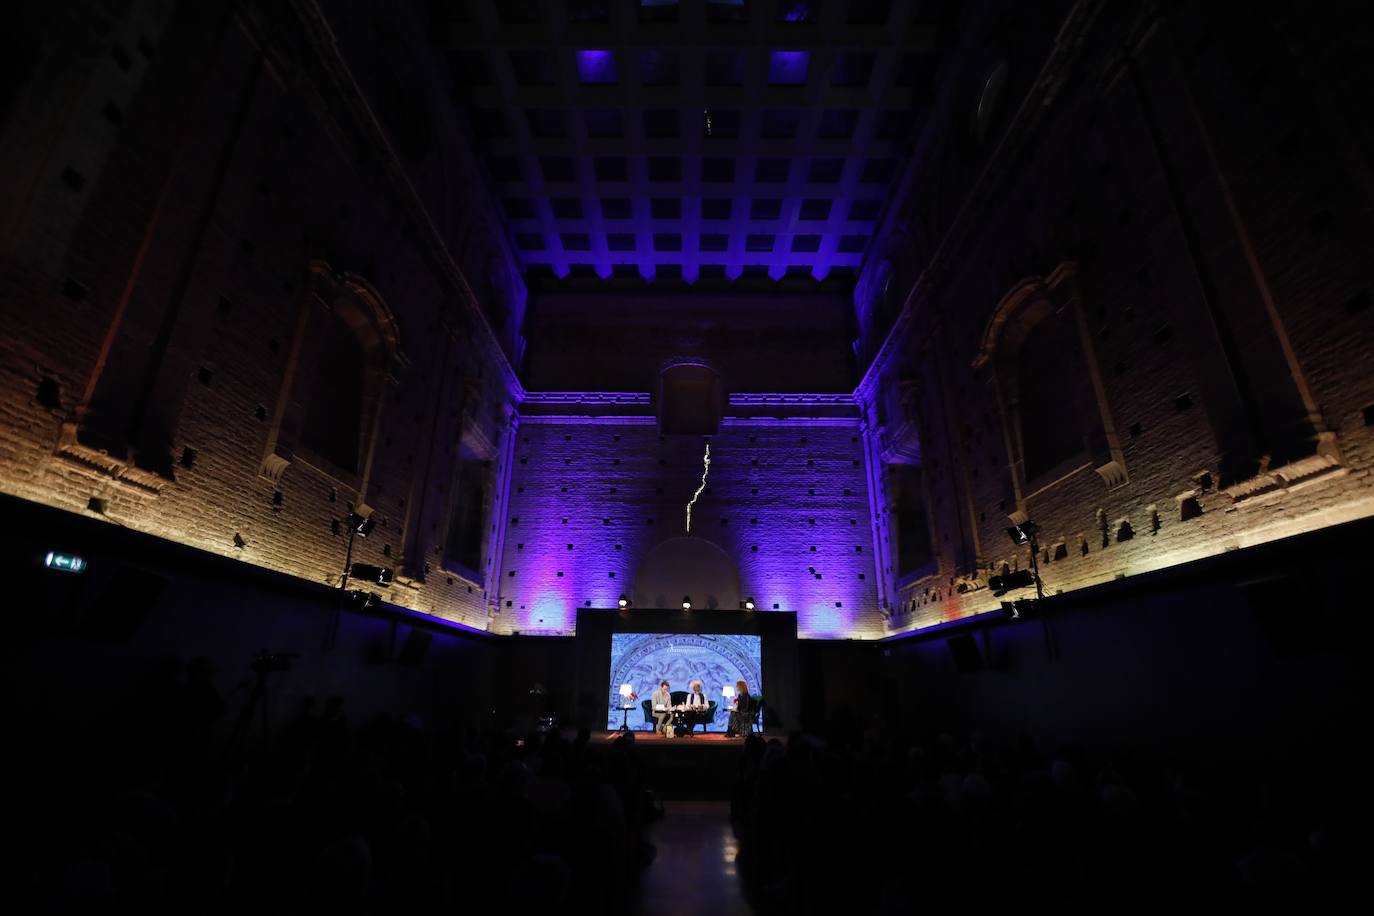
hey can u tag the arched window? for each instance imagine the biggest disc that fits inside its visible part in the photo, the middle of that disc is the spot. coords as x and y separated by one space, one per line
342 358
332 425
1049 367
467 521
690 400
1047 384
906 495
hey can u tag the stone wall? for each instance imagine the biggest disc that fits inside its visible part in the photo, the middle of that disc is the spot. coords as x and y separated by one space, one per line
595 487
1196 219
189 195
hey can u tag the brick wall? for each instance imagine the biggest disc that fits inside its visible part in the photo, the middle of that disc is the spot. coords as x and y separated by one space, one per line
155 273
1195 210
1213 214
786 499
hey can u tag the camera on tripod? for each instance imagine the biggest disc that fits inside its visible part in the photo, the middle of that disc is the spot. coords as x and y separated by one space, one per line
267 662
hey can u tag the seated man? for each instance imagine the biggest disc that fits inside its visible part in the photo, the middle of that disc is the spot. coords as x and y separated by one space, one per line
696 704
662 704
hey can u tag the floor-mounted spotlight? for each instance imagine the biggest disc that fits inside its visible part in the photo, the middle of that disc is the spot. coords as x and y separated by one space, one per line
1022 533
686 602
623 601
747 604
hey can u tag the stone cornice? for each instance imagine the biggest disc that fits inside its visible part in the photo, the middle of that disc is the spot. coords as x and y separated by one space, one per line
745 407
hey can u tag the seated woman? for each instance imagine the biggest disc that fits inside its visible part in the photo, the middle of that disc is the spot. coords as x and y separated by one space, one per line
696 704
662 705
742 714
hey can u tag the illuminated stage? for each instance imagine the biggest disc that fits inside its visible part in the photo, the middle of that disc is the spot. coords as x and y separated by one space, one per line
637 648
649 738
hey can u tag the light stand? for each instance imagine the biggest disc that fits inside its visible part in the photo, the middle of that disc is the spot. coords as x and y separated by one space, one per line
1026 533
264 664
360 524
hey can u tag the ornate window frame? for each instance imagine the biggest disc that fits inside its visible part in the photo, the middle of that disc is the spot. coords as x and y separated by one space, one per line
1024 306
362 307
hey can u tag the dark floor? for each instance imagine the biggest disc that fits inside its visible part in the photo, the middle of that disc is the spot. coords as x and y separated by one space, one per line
694 870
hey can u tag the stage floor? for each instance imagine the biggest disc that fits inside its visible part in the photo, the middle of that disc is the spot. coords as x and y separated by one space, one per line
716 739
704 767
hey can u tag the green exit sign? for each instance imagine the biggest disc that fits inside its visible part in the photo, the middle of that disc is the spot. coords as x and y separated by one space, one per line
67 562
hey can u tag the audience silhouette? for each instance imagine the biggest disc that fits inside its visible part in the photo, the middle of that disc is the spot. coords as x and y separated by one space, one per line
388 816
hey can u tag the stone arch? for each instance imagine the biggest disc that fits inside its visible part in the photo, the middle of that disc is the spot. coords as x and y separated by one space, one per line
691 398
686 565
359 304
1024 306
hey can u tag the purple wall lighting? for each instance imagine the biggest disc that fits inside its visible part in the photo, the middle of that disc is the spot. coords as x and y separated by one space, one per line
788 68
786 502
596 67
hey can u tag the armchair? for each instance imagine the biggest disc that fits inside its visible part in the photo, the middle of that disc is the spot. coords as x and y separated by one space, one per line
705 718
750 712
678 697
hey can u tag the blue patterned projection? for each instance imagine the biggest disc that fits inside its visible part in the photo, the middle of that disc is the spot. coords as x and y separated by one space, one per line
642 660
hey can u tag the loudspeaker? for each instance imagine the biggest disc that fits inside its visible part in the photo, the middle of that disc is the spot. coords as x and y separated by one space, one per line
122 605
414 649
967 656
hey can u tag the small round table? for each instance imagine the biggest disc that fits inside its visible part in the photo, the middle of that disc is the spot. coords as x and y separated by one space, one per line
625 719
685 719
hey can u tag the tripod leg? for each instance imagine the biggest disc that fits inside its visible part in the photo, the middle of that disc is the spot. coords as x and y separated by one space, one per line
265 715
238 737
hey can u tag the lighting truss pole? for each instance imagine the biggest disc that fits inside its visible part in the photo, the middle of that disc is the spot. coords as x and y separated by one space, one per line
359 525
1031 531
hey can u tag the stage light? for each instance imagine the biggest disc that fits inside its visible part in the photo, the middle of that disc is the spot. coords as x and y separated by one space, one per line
362 601
1019 609
686 602
360 520
747 604
1022 533
1000 585
623 602
381 575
